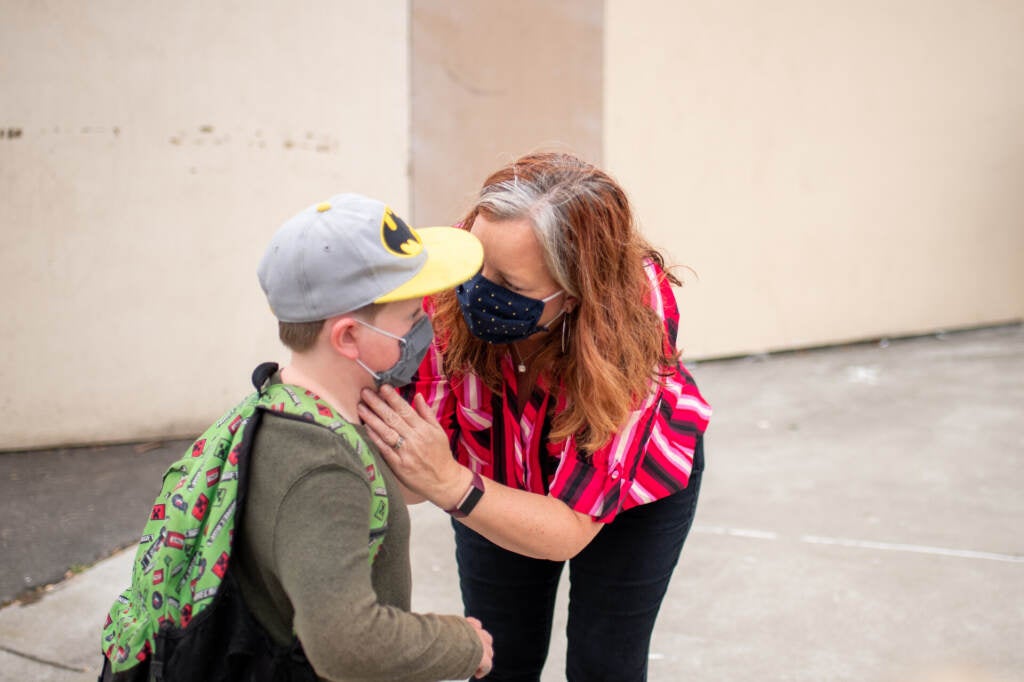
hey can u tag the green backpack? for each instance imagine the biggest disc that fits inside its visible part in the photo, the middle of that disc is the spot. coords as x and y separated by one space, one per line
185 550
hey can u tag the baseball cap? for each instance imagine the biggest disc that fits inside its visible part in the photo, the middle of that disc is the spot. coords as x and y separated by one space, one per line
350 251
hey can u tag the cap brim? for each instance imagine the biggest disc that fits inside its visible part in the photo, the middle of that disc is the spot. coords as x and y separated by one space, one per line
453 256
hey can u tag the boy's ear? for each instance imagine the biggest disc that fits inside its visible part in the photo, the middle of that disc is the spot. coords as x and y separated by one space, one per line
341 337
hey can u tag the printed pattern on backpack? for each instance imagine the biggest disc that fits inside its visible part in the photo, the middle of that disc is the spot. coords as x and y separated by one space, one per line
185 549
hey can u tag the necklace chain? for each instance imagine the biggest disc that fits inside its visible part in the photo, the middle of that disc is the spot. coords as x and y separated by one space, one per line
521 361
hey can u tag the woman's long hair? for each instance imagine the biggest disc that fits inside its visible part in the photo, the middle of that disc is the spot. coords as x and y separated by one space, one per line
616 342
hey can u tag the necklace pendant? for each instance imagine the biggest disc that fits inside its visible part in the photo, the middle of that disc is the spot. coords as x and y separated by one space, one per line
522 368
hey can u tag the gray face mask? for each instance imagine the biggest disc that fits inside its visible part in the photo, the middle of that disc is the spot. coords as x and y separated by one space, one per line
414 346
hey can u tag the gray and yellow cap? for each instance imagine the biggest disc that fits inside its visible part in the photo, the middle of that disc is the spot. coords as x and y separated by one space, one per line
350 251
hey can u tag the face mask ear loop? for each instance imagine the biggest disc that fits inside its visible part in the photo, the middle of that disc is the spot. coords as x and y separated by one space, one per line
378 330
401 344
375 375
547 327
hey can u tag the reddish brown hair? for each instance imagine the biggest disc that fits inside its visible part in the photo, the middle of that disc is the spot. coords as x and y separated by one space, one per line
592 248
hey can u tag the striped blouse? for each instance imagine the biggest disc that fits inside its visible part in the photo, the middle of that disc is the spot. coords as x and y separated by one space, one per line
649 458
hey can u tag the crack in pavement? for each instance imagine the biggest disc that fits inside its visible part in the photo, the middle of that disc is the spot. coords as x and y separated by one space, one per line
37 659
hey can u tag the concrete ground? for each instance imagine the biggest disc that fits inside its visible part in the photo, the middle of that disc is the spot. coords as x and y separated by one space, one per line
861 519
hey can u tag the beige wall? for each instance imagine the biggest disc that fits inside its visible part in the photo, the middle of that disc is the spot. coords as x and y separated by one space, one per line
493 80
158 150
831 170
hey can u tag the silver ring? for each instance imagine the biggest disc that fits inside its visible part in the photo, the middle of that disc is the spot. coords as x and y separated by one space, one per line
398 443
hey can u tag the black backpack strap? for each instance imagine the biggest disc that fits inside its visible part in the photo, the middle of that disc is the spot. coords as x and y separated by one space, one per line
261 375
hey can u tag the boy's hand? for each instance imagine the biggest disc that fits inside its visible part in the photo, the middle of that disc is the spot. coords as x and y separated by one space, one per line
485 638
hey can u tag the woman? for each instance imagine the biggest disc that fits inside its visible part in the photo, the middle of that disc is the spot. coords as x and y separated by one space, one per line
577 433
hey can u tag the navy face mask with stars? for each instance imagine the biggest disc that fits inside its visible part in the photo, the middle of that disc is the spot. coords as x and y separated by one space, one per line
499 315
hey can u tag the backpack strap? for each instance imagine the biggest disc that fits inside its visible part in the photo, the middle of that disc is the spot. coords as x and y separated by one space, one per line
303 404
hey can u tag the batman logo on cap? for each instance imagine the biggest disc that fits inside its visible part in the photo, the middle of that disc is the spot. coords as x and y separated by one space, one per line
397 237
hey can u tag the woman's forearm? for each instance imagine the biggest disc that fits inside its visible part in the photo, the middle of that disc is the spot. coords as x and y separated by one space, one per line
539 526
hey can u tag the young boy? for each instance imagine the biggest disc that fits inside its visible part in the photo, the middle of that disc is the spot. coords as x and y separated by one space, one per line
346 280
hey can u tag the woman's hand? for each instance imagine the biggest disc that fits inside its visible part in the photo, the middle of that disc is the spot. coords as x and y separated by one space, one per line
538 526
414 446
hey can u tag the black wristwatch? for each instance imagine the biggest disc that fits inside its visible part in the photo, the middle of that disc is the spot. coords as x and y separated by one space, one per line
470 499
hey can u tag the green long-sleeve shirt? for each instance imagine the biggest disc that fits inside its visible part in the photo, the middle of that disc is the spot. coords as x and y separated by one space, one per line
302 563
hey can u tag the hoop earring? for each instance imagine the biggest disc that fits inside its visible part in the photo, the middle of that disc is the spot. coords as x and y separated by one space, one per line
565 333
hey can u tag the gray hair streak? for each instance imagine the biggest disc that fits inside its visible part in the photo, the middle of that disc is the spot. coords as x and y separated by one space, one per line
544 203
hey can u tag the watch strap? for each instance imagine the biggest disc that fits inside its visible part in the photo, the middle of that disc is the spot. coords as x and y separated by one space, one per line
470 499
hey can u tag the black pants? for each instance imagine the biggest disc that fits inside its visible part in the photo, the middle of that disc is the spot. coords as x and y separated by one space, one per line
617 584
